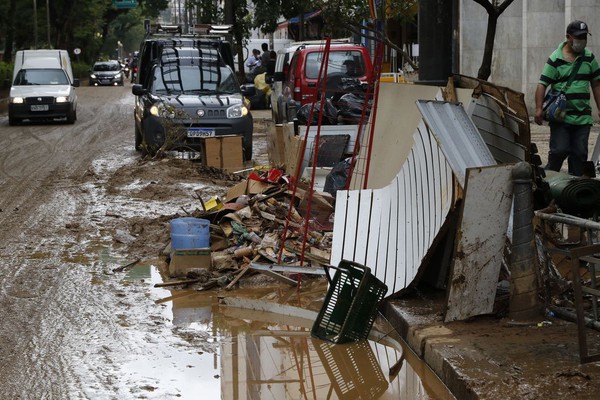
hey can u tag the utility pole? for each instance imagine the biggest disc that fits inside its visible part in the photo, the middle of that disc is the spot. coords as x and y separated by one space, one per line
34 24
48 21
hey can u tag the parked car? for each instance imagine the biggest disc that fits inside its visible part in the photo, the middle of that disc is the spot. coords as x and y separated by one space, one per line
107 73
185 95
296 83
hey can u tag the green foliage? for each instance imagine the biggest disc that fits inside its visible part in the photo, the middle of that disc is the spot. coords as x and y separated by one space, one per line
6 70
80 70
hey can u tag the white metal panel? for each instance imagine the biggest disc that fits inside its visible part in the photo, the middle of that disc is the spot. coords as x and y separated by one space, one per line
384 229
350 238
480 242
456 134
363 233
411 210
387 273
339 226
400 273
374 232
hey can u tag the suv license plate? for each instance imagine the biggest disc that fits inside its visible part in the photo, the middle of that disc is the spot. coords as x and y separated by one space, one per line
39 107
200 132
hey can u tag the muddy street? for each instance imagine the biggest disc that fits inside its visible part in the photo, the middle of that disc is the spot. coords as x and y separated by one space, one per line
78 203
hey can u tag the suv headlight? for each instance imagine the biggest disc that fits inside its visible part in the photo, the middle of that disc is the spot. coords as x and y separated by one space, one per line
93 76
17 100
163 111
62 99
237 111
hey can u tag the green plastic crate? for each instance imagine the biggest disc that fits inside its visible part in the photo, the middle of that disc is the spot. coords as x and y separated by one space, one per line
350 307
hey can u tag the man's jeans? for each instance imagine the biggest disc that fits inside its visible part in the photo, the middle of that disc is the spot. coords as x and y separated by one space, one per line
570 141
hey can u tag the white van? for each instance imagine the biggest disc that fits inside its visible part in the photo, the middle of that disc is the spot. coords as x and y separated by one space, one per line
43 87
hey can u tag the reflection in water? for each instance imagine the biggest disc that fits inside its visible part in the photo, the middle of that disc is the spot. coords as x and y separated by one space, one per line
260 355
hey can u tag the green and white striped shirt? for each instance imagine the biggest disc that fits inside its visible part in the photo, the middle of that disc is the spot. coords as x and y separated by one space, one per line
556 72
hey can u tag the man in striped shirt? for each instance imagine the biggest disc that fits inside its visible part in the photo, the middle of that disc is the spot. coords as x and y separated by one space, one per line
569 139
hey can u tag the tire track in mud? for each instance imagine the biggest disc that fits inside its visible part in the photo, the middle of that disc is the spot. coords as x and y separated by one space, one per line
43 298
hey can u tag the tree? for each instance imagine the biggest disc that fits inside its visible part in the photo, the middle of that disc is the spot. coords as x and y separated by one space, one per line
494 9
267 13
341 17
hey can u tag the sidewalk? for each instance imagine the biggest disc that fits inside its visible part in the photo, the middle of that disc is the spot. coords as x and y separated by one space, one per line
492 358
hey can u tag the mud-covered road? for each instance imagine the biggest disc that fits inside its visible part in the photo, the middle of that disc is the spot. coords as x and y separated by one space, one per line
76 202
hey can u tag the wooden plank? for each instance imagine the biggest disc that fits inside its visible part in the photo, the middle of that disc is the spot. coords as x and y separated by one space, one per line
276 144
277 276
480 242
293 269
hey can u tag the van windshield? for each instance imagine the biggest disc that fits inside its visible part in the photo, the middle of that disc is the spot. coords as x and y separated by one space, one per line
41 77
350 63
204 79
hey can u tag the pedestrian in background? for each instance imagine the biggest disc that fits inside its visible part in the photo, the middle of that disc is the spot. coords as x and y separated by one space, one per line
569 138
266 54
254 60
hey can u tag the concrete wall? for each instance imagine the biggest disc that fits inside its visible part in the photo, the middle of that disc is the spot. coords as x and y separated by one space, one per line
528 31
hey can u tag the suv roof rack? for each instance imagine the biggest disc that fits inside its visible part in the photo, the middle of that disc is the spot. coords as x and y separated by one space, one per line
197 30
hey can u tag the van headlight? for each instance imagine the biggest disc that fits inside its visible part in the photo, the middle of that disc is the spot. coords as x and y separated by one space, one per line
93 76
62 99
160 110
237 111
17 100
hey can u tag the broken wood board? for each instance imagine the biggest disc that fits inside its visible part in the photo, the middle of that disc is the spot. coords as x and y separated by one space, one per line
276 144
292 269
276 276
480 241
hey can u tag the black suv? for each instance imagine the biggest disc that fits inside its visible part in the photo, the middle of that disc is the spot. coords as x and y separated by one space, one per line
106 73
187 93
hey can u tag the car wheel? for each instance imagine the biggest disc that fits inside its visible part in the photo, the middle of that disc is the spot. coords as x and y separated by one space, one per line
72 117
248 149
138 139
12 121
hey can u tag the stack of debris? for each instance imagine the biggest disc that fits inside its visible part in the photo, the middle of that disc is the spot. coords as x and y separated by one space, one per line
258 223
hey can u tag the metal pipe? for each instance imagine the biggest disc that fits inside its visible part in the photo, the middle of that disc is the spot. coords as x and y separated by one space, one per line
524 282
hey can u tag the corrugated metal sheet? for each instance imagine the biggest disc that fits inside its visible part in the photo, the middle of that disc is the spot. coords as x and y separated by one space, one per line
499 130
391 229
457 135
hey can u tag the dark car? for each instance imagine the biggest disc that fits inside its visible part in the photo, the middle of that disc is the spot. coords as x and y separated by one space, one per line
189 94
106 73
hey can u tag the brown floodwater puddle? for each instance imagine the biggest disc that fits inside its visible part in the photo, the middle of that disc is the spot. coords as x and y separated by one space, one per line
262 348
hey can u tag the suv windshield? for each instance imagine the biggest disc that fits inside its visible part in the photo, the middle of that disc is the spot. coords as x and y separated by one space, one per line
105 66
350 63
41 77
194 80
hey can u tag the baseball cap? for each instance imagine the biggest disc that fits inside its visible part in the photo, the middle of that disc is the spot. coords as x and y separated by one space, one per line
577 28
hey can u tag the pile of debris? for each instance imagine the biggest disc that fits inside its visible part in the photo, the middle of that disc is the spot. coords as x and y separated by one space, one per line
262 224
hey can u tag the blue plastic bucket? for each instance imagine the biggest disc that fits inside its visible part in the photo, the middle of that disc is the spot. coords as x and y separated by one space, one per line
190 233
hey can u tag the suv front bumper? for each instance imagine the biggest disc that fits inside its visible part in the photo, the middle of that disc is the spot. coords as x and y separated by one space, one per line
157 131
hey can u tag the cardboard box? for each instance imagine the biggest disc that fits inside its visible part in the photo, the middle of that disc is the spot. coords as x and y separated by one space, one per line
224 152
183 261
